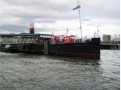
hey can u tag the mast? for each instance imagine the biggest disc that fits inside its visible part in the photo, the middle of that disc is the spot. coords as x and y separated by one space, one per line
79 18
67 32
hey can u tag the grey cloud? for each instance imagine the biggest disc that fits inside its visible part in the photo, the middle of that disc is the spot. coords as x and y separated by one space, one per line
53 10
13 28
102 8
45 11
42 4
22 28
20 12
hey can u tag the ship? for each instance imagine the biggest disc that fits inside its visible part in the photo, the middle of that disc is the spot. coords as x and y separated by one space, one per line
69 46
89 48
49 44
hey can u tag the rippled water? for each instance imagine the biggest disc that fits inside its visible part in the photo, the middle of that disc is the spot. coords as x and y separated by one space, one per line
39 72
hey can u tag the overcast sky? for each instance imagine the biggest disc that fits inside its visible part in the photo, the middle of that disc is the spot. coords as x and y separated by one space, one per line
57 15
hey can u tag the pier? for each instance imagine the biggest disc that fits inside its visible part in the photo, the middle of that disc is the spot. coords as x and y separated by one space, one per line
110 45
25 42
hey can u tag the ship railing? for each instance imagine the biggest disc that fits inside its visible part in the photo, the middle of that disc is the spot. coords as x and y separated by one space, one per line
21 40
75 41
82 40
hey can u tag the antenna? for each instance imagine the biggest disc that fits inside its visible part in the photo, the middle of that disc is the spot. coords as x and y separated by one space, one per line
97 30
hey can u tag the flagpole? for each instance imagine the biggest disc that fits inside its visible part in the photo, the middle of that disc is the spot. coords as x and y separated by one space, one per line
80 19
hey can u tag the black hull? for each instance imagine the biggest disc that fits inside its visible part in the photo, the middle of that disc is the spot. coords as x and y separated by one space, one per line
31 48
86 50
89 49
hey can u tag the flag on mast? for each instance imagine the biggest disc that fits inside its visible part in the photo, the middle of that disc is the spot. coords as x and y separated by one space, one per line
76 7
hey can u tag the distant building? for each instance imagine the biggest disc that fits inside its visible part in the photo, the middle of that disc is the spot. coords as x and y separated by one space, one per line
106 38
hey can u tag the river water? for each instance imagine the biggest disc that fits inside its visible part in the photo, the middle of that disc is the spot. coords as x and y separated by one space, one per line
39 72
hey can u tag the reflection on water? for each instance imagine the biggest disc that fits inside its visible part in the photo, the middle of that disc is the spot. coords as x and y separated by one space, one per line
39 72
